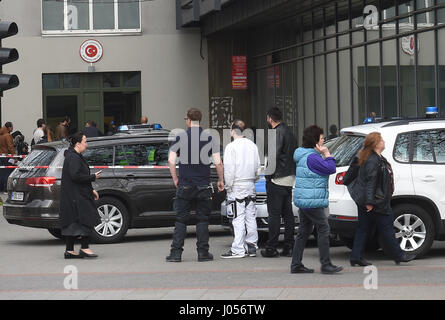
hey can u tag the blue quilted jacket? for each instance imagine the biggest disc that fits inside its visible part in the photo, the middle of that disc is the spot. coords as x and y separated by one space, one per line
311 189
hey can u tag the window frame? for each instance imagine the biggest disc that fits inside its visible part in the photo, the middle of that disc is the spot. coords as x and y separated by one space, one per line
114 31
139 143
111 147
411 147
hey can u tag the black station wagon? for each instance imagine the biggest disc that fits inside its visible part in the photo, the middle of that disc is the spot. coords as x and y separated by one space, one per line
130 196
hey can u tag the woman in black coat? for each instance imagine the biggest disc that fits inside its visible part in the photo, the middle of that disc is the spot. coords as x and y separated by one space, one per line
78 213
372 191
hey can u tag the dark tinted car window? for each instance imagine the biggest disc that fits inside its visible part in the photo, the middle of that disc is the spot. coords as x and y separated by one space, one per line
99 156
438 140
142 154
39 157
345 148
401 149
423 150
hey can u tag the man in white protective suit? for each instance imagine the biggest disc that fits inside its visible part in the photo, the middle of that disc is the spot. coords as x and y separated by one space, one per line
241 170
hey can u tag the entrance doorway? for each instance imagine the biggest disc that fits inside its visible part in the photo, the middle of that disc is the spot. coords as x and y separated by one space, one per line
100 97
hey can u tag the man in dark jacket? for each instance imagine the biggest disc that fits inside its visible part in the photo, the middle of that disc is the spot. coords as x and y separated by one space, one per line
279 186
90 130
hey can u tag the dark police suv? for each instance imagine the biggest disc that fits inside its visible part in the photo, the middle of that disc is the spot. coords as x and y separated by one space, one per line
130 197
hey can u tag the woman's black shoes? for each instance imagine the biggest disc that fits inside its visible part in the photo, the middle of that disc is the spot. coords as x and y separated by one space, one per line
361 263
301 269
72 256
87 255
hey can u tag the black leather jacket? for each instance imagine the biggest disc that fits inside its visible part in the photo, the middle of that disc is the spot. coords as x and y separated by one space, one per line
285 148
374 184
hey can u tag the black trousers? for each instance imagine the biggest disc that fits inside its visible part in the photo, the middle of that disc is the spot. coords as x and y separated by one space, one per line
309 219
84 242
279 204
385 226
185 196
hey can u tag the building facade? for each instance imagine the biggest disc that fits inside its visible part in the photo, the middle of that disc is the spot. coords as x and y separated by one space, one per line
147 67
330 63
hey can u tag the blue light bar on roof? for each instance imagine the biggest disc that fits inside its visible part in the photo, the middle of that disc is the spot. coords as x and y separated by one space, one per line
432 110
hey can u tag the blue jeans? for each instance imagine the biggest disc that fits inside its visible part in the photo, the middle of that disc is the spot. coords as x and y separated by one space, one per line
185 196
384 226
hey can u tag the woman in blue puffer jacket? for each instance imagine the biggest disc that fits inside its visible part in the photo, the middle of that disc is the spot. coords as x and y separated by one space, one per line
311 195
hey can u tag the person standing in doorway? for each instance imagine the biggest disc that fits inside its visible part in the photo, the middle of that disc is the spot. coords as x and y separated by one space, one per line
279 187
241 170
78 213
90 130
193 185
62 129
311 196
39 133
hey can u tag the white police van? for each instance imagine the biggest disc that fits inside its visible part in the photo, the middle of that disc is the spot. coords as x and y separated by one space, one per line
416 150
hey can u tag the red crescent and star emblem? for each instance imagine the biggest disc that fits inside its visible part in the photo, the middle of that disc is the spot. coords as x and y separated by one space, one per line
91 51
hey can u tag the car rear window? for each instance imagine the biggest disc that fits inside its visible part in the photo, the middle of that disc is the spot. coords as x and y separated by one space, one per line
39 157
345 148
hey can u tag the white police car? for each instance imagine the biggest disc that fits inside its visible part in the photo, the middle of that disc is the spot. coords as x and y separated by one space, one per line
416 150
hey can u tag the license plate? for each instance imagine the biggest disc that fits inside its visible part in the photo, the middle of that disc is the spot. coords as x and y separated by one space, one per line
17 196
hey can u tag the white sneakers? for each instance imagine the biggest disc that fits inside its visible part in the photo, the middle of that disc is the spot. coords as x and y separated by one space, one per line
231 255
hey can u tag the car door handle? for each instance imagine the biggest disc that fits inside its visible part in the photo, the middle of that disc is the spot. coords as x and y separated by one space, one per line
428 179
130 176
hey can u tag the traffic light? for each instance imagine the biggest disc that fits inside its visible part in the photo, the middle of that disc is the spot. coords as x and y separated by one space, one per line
7 81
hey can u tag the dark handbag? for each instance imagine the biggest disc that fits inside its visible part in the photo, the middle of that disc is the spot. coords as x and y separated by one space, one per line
352 172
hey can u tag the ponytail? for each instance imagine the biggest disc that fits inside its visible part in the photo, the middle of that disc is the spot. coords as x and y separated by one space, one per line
371 141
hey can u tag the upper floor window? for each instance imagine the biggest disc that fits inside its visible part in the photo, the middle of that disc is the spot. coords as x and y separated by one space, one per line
90 16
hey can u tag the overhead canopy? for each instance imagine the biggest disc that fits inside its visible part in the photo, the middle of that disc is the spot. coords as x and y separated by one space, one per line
219 15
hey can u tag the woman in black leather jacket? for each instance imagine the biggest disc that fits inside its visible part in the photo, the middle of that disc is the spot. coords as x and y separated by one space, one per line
372 191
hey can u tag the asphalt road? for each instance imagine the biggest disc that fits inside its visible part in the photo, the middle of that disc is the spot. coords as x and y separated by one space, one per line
32 267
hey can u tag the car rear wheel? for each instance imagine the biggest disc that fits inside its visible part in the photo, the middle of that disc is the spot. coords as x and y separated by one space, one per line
414 229
114 221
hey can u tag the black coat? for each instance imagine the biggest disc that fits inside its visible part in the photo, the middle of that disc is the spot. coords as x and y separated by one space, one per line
285 148
91 132
77 198
374 185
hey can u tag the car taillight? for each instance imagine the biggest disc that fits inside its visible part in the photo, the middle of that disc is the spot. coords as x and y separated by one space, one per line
339 178
41 181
